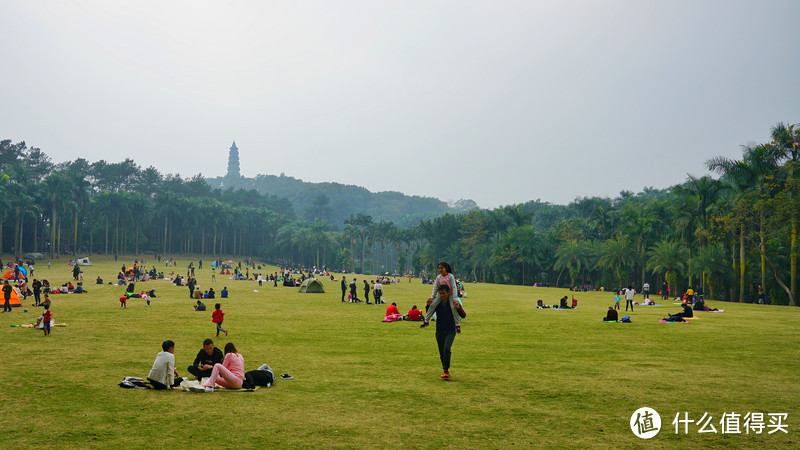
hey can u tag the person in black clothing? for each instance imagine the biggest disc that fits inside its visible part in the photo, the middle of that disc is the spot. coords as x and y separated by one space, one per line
611 315
664 290
211 293
37 291
7 296
445 329
353 294
344 288
687 312
191 285
200 306
366 292
206 358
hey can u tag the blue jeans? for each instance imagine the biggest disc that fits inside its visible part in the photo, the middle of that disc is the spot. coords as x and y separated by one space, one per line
445 341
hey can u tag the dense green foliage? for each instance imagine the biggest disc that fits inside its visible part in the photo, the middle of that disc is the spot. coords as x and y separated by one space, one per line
721 236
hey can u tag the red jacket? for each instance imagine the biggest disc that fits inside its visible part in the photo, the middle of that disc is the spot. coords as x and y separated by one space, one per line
217 316
414 314
391 309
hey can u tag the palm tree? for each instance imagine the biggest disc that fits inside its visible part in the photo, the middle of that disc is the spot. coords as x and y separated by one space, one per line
785 148
750 178
668 257
709 263
572 255
364 223
617 255
57 194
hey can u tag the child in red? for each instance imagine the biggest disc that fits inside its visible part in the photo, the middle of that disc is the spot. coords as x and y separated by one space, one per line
217 318
46 318
123 302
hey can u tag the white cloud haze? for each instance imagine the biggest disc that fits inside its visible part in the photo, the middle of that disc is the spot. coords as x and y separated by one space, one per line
497 101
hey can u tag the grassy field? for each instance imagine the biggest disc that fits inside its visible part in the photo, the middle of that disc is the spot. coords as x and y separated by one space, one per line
522 377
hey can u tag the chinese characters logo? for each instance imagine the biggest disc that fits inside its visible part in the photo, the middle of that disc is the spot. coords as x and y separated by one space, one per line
645 422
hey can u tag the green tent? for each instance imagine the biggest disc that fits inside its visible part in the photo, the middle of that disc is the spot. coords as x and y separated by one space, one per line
312 285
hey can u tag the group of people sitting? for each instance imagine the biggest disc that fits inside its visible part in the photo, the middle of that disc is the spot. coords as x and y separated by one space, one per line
393 314
210 293
220 371
562 304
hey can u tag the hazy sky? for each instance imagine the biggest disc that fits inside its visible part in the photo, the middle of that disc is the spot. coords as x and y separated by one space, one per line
498 101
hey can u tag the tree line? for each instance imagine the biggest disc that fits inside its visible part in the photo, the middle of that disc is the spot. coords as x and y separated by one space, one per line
725 236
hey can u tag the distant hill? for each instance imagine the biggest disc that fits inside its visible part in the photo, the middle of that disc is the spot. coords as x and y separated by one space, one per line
335 202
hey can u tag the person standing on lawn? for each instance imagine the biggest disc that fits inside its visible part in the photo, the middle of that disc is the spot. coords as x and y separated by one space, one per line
445 328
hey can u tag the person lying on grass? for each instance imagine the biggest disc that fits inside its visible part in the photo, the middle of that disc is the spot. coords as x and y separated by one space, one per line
700 305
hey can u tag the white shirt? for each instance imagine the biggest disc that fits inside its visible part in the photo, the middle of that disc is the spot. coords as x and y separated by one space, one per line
629 293
163 369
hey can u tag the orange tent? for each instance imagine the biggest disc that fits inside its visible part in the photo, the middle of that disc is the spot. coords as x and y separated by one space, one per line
9 275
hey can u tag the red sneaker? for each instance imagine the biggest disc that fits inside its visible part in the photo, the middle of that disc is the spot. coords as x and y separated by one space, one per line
446 374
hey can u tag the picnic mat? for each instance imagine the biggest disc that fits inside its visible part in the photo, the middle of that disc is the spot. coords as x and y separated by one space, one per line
721 310
237 390
223 390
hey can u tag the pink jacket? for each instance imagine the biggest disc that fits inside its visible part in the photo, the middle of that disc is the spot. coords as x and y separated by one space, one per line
235 363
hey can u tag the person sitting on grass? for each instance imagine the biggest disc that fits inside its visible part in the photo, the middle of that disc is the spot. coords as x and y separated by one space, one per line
687 312
229 374
205 360
163 374
224 292
611 315
414 314
563 303
200 306
392 314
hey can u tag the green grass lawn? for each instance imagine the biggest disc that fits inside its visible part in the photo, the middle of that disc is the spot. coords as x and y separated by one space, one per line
522 377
